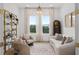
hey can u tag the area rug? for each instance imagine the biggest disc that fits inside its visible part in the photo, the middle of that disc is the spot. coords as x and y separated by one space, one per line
41 48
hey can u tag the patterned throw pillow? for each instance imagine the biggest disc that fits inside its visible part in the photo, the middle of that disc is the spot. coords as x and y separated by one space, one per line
59 37
64 39
69 39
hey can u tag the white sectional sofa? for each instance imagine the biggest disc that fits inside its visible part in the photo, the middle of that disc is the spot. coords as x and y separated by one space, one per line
62 49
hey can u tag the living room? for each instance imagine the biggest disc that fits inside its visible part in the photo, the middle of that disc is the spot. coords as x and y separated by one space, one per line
36 25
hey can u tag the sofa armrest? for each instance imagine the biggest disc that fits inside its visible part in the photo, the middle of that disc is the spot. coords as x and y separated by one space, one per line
66 49
23 49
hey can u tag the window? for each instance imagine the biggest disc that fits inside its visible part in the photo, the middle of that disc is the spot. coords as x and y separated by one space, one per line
32 24
45 24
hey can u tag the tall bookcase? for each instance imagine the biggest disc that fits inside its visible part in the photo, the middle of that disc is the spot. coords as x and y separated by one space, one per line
10 28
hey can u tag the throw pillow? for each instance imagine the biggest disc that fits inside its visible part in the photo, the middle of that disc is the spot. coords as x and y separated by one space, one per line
24 39
59 37
63 41
69 39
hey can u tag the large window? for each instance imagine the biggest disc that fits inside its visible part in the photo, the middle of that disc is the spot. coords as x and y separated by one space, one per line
45 24
32 24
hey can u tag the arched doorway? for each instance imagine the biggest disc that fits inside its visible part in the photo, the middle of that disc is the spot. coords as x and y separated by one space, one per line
56 27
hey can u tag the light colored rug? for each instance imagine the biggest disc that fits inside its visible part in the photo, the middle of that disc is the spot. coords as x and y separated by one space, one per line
41 48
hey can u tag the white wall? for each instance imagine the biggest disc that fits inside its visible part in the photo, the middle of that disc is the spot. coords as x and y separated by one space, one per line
21 22
57 16
77 29
1 24
76 25
1 30
66 9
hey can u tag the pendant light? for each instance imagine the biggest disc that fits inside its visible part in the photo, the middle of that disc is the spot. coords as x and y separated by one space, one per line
39 10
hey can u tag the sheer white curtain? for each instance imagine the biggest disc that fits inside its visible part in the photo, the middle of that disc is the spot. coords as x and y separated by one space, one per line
48 12
27 14
26 21
39 29
40 35
51 14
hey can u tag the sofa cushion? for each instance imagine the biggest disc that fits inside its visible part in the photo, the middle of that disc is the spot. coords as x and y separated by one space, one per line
59 37
56 43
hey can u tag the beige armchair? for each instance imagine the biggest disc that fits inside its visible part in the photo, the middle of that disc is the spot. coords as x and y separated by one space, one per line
19 47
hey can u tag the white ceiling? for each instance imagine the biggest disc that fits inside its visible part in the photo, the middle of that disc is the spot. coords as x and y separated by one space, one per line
35 5
23 5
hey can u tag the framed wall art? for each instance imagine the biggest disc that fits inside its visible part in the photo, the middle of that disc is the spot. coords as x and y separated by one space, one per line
73 19
68 20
